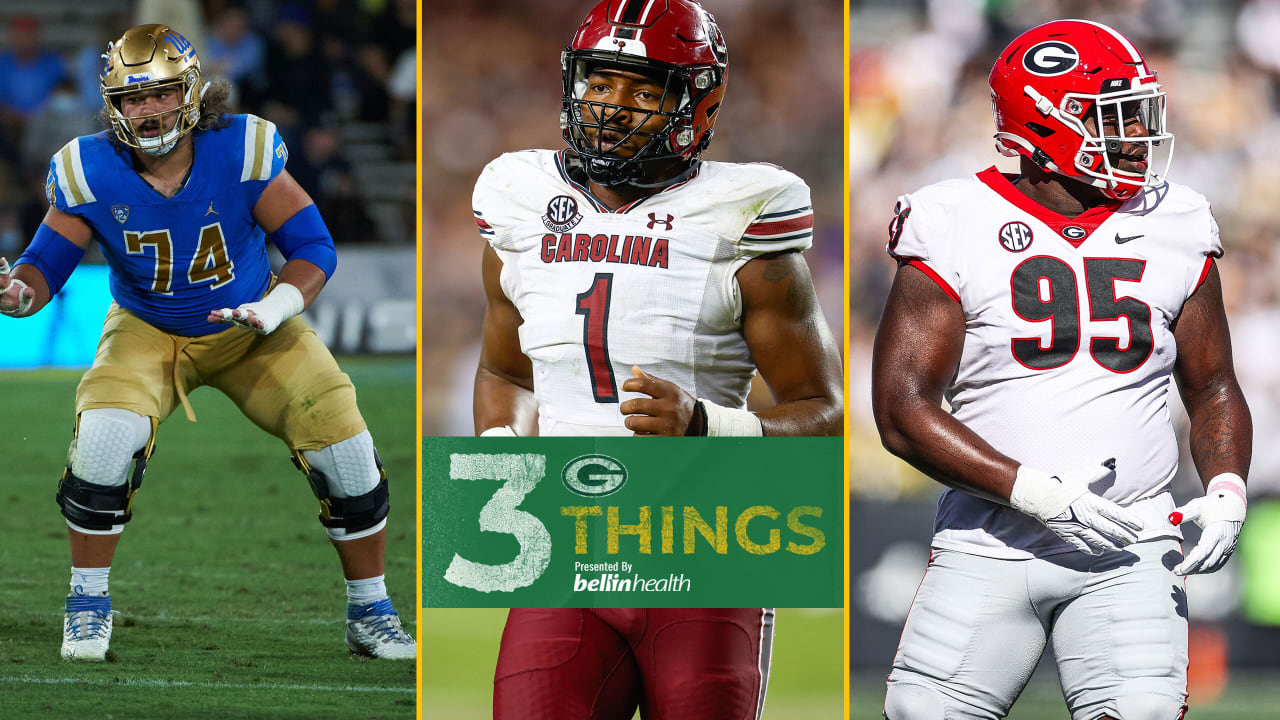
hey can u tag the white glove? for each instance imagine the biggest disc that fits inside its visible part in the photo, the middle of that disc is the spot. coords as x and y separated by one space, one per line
15 296
1064 503
264 316
1220 512
501 431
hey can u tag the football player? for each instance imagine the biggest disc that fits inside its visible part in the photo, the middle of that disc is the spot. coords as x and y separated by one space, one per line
180 197
636 289
1051 310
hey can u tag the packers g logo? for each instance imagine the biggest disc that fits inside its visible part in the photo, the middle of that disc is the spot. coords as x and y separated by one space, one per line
1050 58
594 475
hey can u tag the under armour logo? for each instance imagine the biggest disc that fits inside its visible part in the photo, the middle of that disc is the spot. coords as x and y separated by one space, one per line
211 211
653 220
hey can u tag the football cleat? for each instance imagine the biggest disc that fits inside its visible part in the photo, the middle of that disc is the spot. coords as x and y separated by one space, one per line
374 630
86 629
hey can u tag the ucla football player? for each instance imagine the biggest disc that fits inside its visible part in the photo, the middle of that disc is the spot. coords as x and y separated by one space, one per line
181 198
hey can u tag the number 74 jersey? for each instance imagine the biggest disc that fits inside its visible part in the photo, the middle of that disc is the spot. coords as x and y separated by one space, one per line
1069 348
649 284
173 259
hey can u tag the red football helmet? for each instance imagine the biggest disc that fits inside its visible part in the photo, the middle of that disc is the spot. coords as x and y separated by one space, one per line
674 41
1052 78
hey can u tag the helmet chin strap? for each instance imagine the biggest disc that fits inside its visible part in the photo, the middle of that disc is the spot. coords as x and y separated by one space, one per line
611 173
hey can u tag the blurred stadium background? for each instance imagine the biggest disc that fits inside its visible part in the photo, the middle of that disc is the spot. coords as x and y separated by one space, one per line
230 598
491 84
920 113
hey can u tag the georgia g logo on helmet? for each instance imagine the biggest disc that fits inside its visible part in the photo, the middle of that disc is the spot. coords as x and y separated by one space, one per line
1051 58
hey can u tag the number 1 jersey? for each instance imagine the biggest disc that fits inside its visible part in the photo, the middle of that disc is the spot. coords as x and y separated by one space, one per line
1069 348
649 284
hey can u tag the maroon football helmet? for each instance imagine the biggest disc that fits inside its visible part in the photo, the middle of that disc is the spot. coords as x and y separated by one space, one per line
1050 79
677 43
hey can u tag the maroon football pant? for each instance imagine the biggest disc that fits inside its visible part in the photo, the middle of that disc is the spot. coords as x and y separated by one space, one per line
569 664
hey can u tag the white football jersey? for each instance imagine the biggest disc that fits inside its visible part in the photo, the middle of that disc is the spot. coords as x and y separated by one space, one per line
650 284
1068 351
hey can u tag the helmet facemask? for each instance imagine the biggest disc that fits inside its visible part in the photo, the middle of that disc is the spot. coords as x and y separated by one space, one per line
676 144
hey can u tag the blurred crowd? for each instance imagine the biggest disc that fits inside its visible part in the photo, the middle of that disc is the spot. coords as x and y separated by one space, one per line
920 113
316 68
491 84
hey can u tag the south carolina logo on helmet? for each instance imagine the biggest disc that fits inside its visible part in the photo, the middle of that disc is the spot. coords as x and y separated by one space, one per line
677 43
146 57
1072 95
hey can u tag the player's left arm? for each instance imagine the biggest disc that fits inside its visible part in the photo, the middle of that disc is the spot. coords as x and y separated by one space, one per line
289 217
791 345
1221 427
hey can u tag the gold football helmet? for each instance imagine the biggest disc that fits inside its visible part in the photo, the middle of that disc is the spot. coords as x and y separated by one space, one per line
146 57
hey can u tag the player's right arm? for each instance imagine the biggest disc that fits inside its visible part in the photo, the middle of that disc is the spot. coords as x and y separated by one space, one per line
44 267
917 350
504 379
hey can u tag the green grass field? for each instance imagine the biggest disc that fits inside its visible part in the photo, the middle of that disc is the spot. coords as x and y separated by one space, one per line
230 598
461 646
1246 697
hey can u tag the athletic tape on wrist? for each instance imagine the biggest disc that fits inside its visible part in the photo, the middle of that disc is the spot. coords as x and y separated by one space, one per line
501 431
727 422
1228 483
24 302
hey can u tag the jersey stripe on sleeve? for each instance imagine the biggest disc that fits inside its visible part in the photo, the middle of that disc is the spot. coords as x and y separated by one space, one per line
485 228
71 179
258 137
785 225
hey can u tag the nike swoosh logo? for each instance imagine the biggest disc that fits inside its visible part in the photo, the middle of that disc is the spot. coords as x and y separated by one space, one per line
1121 239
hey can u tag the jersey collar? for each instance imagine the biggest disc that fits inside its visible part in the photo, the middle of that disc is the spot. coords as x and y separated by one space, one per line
1074 230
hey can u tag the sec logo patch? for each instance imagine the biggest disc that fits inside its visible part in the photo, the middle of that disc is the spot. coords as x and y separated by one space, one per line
1015 236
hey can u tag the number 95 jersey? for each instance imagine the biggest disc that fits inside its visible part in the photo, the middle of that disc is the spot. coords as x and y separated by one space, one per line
1068 348
650 284
174 259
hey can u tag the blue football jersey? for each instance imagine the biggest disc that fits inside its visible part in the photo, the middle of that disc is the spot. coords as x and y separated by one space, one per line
175 259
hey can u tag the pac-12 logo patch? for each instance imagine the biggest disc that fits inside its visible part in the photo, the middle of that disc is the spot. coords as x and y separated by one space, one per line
1049 58
594 475
1015 236
120 213
562 214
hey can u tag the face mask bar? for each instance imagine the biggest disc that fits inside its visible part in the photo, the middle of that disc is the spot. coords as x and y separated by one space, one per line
188 113
582 119
1150 108
1113 114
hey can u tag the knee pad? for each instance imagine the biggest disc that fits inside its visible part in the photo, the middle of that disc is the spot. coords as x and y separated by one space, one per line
348 480
1149 706
908 701
97 488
